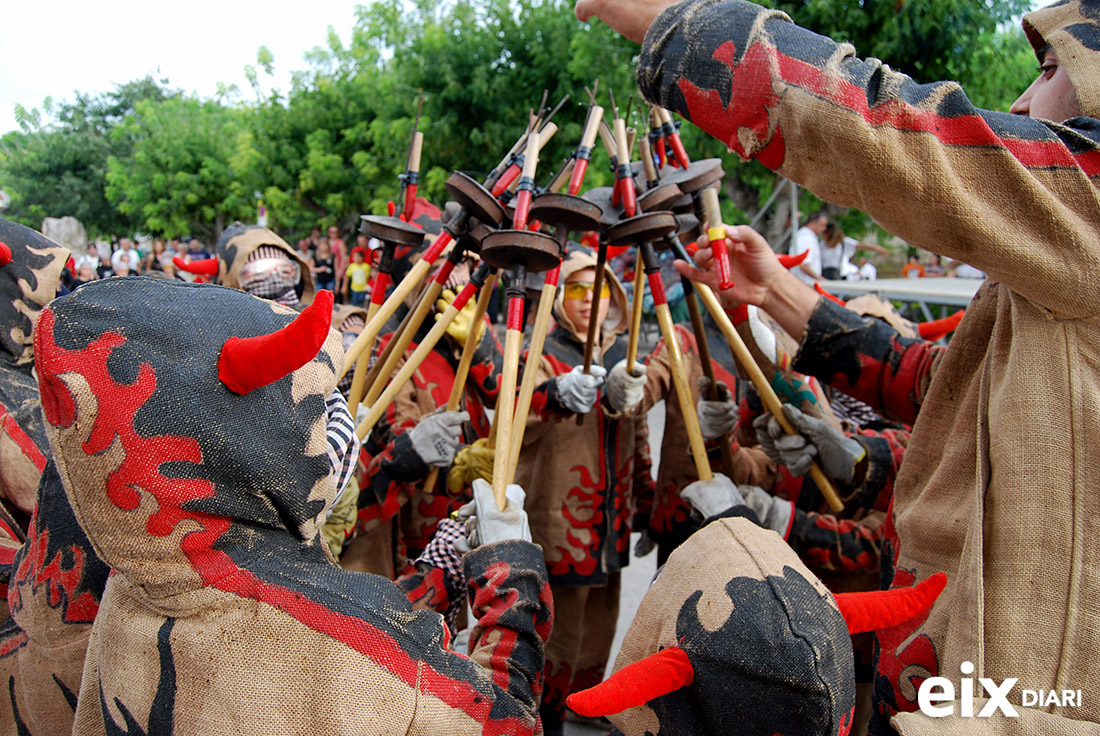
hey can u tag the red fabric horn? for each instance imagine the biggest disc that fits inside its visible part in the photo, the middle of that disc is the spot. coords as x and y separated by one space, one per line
204 266
249 363
937 328
636 684
792 261
827 295
5 254
881 609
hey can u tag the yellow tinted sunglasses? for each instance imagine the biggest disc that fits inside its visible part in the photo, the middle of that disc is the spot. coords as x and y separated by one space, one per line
580 289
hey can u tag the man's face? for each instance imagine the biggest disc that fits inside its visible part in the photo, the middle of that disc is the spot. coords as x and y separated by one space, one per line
194 246
818 225
1051 96
124 244
578 306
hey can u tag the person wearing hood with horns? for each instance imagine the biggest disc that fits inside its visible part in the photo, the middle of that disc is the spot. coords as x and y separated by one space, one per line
998 482
226 612
584 481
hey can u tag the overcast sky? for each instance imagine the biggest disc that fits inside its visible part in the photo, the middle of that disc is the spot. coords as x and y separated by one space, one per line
50 48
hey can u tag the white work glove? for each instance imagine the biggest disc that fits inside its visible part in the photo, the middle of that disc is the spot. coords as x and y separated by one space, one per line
437 436
625 391
710 497
774 513
578 390
838 454
716 418
485 523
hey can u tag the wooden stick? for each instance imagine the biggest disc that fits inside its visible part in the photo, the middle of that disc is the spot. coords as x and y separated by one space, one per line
635 313
377 321
438 330
531 367
676 363
402 340
464 362
767 393
714 394
513 343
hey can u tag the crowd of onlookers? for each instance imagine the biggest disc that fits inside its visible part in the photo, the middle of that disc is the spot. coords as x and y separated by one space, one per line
327 257
830 254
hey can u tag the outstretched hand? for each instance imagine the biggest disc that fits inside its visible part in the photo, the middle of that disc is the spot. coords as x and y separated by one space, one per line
753 266
631 18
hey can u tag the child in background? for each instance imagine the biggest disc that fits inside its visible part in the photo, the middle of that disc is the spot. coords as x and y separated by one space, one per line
357 278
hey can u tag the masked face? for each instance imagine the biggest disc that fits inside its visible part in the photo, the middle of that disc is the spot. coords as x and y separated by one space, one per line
269 276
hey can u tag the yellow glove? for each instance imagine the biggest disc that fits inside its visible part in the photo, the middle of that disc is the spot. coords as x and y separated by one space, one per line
472 461
459 329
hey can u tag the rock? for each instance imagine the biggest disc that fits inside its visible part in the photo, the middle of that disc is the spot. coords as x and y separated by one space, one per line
68 232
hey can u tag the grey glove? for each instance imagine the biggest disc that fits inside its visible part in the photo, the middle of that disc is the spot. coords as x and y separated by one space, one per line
625 388
774 513
437 436
710 497
716 418
838 454
485 523
645 545
578 390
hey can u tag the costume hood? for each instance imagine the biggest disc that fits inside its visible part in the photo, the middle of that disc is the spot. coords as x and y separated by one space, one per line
770 650
28 281
1072 28
239 241
578 258
186 452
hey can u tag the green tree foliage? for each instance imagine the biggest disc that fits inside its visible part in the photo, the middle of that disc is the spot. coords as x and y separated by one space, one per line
331 148
60 168
190 169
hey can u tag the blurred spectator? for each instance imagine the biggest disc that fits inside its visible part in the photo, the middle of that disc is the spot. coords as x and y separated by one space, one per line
122 267
867 270
837 251
339 254
912 269
964 270
90 258
196 251
935 268
358 278
305 250
104 269
808 240
159 258
323 267
125 248
84 274
314 239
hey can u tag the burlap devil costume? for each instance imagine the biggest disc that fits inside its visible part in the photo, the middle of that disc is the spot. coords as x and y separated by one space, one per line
30 271
999 481
53 595
197 462
254 259
737 637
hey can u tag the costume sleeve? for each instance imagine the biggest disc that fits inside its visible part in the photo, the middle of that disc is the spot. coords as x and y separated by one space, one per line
868 360
826 542
1010 195
510 596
